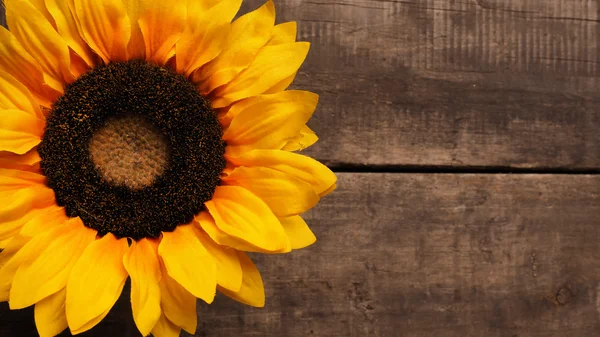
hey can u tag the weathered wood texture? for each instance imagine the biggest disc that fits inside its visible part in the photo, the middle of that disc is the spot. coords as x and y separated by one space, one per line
452 82
503 83
436 255
421 255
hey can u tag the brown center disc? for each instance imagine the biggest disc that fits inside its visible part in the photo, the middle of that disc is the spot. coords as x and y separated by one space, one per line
129 151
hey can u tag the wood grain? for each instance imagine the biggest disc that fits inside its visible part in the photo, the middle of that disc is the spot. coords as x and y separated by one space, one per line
421 255
507 83
436 83
461 83
436 255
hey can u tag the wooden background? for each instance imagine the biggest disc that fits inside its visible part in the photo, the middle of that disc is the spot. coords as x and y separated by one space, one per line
466 134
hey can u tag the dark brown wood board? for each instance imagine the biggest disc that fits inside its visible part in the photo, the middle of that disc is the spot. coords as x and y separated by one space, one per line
452 83
506 83
421 255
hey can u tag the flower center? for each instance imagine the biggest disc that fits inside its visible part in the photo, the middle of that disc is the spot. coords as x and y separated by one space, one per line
133 149
130 151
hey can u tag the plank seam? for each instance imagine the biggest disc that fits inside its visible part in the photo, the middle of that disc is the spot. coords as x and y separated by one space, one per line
441 169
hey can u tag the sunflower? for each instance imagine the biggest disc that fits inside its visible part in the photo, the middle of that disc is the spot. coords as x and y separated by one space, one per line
148 140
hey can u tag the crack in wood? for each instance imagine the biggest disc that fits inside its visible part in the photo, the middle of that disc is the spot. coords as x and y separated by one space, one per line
568 19
357 168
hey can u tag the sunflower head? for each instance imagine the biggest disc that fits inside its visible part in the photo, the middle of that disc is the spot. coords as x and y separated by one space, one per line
152 141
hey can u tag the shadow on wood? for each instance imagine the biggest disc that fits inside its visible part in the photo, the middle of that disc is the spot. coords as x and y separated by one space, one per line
118 322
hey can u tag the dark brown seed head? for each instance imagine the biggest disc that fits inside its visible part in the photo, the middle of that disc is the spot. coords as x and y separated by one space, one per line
183 163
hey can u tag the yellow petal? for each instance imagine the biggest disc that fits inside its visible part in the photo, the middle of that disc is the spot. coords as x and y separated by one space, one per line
227 115
5 162
40 5
105 27
188 262
271 122
241 214
252 291
302 167
78 65
284 194
8 252
305 138
31 158
10 259
71 5
91 324
48 271
16 179
329 190
29 161
136 48
207 223
22 249
178 304
50 317
161 24
96 283
51 216
201 6
229 271
297 230
10 228
17 62
14 95
41 41
4 243
248 34
282 85
68 30
283 33
164 328
20 131
141 262
204 36
13 205
272 65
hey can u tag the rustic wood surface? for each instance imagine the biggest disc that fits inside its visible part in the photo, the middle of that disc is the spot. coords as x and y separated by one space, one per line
423 255
452 83
432 86
506 83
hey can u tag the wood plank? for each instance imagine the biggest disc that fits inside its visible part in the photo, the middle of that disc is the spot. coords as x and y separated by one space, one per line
505 83
436 255
452 83
423 255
